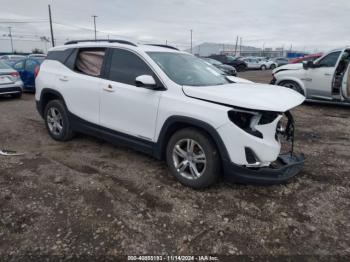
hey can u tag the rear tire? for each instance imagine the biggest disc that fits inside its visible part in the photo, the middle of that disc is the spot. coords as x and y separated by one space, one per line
241 68
263 67
292 85
57 122
193 158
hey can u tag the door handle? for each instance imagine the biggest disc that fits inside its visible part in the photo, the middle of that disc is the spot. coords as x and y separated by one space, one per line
327 74
64 78
109 88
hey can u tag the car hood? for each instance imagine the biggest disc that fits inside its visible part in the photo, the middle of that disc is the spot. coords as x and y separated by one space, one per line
288 67
227 67
250 96
236 79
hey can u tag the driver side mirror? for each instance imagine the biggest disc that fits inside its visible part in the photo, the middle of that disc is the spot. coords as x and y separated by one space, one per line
308 64
146 81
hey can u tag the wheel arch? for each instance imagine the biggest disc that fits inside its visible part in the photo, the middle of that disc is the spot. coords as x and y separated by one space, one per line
176 123
47 95
293 79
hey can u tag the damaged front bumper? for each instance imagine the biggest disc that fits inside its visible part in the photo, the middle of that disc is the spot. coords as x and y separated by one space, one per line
285 167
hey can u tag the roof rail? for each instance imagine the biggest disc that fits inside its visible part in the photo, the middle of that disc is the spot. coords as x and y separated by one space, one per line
165 46
101 40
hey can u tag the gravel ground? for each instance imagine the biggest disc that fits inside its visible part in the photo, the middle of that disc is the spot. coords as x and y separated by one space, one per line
87 197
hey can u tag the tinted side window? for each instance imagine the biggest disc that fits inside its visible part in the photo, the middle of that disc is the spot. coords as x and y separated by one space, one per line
329 60
126 66
60 56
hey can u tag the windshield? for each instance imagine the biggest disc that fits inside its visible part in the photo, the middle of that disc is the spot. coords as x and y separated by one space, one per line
185 69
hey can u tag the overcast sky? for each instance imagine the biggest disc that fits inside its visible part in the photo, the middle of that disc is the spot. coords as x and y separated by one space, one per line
309 24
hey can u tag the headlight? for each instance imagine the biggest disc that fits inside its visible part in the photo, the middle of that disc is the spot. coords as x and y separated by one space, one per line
247 120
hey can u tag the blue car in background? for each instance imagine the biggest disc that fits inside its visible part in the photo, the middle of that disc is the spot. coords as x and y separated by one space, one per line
26 69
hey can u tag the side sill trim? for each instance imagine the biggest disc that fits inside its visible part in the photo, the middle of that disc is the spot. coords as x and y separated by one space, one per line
115 137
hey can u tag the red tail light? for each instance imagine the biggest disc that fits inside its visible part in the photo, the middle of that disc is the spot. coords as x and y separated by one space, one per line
36 71
15 74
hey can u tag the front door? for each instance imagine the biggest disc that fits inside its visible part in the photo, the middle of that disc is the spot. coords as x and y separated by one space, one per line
345 90
124 107
318 80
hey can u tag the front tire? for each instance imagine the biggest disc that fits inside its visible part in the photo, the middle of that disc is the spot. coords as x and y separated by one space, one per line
241 68
57 122
193 158
273 66
292 85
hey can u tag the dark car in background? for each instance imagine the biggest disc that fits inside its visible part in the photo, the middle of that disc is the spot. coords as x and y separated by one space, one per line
27 68
280 61
227 69
230 60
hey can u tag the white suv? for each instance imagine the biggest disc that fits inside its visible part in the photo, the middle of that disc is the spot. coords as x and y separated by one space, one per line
171 105
325 80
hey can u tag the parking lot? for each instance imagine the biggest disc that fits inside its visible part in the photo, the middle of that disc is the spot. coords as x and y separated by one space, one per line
87 197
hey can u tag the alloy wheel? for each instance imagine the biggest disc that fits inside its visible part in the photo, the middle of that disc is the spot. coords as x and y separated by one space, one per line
189 159
55 121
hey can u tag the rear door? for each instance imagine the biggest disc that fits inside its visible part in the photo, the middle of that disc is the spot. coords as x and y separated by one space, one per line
254 63
125 107
318 80
28 72
79 82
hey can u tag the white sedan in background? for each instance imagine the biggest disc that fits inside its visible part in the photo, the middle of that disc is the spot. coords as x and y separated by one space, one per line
10 81
259 63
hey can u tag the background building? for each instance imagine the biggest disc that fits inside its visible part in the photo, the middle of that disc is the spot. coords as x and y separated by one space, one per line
207 49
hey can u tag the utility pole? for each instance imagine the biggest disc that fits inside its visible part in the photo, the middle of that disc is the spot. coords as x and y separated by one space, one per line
236 46
50 18
94 16
10 34
166 42
263 49
191 40
240 47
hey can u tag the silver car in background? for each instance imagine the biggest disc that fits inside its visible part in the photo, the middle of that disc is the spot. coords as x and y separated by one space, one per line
10 81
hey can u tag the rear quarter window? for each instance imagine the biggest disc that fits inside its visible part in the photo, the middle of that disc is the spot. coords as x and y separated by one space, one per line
60 55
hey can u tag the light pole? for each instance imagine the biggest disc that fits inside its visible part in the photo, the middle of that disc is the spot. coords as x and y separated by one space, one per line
191 40
51 30
94 16
10 34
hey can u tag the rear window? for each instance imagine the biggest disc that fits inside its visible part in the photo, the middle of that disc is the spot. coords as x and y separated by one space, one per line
59 55
4 66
